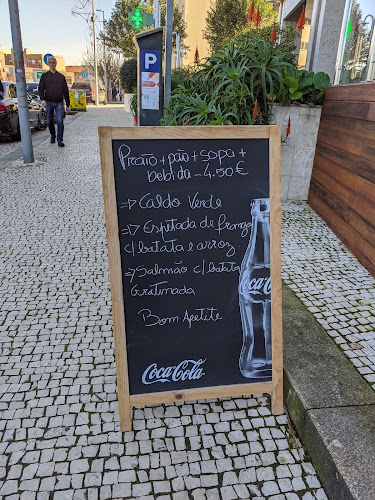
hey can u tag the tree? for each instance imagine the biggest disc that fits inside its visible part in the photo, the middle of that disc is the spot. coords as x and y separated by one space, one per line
119 33
128 76
228 18
113 63
225 19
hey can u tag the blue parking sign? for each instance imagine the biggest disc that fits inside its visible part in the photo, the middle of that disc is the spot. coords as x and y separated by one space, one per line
45 58
150 61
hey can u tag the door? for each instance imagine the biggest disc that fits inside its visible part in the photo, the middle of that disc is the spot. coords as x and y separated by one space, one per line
34 110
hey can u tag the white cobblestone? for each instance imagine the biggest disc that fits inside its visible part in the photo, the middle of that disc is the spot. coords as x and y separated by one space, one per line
58 401
332 284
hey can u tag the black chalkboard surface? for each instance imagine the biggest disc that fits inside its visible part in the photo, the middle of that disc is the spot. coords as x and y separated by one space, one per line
194 239
183 212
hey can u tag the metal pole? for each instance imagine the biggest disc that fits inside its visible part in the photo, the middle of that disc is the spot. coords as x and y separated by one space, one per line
23 104
368 74
105 70
168 52
105 60
95 57
156 14
178 50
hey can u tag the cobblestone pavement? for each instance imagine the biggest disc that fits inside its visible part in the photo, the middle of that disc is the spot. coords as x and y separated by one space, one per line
58 403
7 145
10 150
331 283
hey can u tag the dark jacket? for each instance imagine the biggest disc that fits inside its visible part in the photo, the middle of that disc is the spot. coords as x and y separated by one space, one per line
53 87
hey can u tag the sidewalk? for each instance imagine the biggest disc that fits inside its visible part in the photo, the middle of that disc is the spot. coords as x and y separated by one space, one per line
11 151
59 418
331 283
330 396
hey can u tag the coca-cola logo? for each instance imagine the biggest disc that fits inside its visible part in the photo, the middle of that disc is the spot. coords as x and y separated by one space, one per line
185 370
255 287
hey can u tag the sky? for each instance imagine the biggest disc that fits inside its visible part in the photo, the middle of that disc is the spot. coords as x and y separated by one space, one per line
47 26
367 7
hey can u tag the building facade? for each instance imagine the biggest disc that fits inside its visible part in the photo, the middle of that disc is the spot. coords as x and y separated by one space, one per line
34 66
194 13
338 37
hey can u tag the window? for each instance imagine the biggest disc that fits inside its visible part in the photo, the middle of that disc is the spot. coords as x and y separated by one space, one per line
305 36
357 38
81 85
12 91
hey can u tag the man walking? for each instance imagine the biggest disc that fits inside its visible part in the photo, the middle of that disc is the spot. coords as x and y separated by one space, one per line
114 94
52 91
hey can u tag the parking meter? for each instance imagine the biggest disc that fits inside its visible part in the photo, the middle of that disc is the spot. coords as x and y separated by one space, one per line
149 81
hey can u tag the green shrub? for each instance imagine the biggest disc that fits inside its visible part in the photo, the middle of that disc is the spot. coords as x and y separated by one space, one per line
303 86
133 104
286 39
128 76
226 86
250 69
179 75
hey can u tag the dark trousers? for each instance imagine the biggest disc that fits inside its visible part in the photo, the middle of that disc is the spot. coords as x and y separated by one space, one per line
58 109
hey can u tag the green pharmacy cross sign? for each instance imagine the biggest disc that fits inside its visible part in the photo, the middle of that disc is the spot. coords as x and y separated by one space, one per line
138 18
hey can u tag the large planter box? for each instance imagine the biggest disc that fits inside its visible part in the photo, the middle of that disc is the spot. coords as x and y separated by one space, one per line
297 153
127 99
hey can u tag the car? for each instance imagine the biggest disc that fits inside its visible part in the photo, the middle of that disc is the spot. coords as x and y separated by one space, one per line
90 91
9 117
32 89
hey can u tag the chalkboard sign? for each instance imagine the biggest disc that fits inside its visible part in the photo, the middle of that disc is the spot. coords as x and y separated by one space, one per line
193 230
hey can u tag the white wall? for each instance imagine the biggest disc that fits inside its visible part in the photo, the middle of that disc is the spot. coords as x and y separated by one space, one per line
289 6
326 22
327 18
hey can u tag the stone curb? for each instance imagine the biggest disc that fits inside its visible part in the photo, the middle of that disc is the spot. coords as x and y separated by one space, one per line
330 404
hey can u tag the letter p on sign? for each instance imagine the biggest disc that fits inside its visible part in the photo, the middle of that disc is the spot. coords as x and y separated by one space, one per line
150 59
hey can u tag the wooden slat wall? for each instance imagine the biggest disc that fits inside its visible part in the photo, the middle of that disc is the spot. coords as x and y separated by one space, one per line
342 188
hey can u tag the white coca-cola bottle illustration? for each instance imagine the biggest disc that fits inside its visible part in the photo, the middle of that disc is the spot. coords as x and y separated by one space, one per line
255 296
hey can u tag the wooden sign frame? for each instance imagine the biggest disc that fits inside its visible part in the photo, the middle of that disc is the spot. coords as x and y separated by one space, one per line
275 386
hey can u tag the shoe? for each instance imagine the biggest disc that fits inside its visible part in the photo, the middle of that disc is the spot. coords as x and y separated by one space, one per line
53 140
61 144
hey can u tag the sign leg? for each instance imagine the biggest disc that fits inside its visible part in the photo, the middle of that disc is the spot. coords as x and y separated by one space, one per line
276 288
115 274
277 400
125 413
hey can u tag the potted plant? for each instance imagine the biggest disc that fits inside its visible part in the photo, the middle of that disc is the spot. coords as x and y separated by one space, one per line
297 111
240 84
128 81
